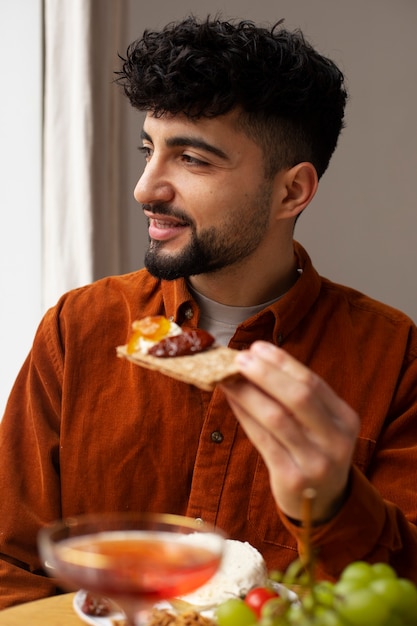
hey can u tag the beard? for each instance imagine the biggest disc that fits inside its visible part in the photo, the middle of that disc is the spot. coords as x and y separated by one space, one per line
214 248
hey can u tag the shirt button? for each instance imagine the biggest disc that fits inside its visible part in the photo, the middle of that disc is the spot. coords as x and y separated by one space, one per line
188 313
216 436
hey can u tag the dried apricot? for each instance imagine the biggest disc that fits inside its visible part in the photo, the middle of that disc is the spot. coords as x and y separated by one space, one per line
152 328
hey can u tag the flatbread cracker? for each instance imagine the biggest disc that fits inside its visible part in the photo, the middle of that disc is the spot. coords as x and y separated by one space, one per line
203 369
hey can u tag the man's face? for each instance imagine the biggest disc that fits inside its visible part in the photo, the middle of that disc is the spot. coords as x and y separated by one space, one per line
204 193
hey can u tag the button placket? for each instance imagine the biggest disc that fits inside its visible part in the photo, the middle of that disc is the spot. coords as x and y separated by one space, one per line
210 467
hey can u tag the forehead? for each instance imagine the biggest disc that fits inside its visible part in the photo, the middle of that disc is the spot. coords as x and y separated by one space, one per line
222 132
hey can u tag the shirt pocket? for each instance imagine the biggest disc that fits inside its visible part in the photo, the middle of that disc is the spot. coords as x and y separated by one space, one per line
363 453
263 516
262 511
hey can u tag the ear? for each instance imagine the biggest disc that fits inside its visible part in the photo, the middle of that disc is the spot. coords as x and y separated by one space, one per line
298 186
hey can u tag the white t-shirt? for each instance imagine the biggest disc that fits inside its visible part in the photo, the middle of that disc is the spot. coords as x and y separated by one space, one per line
221 320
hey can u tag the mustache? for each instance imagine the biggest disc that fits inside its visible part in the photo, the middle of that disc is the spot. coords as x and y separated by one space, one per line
168 210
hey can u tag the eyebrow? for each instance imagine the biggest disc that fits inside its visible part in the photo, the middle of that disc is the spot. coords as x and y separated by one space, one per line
190 142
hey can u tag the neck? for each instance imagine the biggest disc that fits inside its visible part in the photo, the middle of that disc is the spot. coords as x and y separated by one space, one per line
251 282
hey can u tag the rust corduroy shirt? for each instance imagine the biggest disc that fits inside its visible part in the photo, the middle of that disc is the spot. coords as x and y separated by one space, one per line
85 431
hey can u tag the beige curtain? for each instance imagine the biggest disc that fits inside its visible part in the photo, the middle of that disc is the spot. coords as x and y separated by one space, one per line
82 143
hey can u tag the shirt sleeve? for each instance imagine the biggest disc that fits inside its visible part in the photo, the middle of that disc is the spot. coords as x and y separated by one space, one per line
29 467
377 523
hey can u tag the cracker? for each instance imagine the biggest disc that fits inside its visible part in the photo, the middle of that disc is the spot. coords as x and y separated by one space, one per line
203 369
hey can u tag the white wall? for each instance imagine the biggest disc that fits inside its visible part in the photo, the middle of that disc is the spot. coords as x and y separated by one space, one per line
20 184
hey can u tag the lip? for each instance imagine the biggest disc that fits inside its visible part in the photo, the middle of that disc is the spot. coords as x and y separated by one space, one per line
164 227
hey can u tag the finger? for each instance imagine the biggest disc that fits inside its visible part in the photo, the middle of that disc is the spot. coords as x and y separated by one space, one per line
302 392
273 449
302 465
274 433
288 451
273 424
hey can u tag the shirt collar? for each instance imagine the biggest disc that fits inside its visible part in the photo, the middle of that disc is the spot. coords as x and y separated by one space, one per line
284 314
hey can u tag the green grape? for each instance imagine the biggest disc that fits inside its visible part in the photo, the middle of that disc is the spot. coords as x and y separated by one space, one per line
364 595
269 620
295 611
363 607
276 575
275 607
296 616
358 571
324 593
389 589
407 603
295 573
345 587
396 620
309 602
234 611
383 570
325 616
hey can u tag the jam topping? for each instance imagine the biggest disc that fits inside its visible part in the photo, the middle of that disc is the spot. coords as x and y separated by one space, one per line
158 336
188 342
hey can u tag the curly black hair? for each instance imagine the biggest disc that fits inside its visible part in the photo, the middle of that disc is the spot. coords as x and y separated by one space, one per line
291 98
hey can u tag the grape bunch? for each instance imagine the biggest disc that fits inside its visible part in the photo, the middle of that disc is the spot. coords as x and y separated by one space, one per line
364 595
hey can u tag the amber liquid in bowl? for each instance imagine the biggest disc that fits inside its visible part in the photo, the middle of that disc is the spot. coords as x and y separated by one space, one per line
134 559
134 564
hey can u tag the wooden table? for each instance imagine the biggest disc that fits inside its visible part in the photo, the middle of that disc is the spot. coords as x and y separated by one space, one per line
54 611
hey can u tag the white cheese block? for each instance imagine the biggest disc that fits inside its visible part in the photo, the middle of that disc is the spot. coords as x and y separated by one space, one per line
242 568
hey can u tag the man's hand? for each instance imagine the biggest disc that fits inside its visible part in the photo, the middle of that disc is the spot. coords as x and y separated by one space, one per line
305 433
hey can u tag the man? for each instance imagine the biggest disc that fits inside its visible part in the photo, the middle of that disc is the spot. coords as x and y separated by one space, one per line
241 123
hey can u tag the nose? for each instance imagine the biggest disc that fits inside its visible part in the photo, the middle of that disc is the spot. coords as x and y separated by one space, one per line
153 185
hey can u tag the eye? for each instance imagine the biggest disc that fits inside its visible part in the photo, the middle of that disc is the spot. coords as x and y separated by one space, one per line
191 160
146 151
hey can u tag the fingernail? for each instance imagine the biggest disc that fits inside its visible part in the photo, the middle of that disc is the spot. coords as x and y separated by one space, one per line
263 347
244 358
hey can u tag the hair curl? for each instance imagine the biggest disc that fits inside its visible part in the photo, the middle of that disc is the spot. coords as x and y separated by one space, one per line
291 98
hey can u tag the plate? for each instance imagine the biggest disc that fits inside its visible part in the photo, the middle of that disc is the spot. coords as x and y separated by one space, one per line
116 616
110 620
